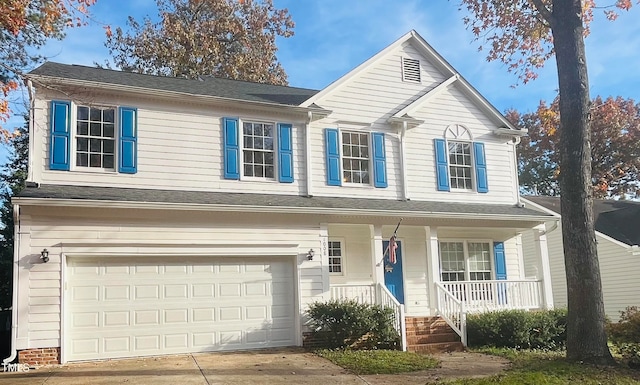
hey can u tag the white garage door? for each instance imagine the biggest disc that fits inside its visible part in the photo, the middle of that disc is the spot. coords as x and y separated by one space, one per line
125 307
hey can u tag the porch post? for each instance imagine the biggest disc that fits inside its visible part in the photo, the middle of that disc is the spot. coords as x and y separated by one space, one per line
433 265
377 254
542 250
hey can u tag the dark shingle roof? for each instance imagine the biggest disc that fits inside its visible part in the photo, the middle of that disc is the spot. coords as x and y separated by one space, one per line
619 220
266 200
205 86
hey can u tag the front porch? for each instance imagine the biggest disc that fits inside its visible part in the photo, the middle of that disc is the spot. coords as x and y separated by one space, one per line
441 272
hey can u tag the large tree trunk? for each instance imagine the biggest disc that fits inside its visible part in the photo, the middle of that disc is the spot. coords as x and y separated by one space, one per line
586 336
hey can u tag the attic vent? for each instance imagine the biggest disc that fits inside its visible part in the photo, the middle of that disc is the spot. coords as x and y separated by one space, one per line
410 70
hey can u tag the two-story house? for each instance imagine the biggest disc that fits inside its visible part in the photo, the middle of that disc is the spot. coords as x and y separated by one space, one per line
167 215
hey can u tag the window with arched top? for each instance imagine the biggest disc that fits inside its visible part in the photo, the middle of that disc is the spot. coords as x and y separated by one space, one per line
460 162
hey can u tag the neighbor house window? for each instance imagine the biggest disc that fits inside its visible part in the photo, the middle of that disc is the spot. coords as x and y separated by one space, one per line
258 149
460 166
355 157
335 257
461 261
95 137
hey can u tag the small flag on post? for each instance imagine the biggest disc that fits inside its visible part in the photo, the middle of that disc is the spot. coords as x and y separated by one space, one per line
392 249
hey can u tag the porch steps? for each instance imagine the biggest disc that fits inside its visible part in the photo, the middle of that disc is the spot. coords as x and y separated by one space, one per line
431 335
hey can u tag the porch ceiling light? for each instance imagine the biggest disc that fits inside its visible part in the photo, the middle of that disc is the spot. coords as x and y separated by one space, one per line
310 254
44 255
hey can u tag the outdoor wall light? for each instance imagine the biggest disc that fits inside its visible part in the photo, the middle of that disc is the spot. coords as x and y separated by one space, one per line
44 255
310 254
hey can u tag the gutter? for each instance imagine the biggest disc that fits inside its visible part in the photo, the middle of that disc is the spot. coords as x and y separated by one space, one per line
14 299
93 203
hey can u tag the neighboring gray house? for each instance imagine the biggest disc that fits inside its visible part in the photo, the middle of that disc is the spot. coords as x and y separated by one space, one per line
617 225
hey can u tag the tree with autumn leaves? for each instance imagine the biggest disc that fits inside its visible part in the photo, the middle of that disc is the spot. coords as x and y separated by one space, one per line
232 39
524 34
615 148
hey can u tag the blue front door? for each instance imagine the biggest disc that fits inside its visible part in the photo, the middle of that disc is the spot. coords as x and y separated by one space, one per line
393 272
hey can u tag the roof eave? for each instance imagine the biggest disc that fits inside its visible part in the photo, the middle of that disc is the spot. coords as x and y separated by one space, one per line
94 203
45 80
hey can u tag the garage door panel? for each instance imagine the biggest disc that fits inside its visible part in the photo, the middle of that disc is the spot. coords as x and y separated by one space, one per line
123 308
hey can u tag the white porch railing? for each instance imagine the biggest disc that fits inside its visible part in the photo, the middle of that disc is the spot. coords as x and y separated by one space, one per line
452 310
480 296
375 295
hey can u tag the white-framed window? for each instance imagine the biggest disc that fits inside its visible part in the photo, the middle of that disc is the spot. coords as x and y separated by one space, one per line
258 152
335 250
465 260
95 137
356 158
460 157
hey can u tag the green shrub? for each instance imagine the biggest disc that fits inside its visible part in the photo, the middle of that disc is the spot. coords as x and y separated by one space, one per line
625 336
349 324
518 329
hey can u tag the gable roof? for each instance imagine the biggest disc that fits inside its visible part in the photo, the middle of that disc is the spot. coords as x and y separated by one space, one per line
619 220
453 77
204 86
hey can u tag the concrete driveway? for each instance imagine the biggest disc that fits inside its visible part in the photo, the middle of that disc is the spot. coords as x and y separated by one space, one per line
281 366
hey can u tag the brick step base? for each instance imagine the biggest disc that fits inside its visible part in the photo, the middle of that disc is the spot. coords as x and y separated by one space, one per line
431 335
443 347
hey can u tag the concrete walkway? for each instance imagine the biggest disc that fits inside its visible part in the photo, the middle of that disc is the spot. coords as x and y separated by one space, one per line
282 366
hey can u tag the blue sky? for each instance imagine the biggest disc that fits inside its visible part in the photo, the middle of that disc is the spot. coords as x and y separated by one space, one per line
334 36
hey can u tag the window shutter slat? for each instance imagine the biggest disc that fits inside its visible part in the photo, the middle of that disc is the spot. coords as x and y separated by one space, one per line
60 138
128 157
442 165
500 260
285 153
379 160
482 185
231 149
332 147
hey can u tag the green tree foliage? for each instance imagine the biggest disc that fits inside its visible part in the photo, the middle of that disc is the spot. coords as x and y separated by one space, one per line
233 39
13 176
615 148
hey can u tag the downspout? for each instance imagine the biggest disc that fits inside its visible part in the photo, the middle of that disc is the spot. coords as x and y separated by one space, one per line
32 102
516 141
307 138
14 300
403 162
555 226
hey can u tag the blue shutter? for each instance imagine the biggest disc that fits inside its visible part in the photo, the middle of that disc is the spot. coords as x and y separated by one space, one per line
231 149
481 167
379 160
60 138
332 146
128 148
500 263
285 153
442 165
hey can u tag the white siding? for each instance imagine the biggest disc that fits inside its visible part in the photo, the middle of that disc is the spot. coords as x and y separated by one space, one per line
179 148
57 229
618 269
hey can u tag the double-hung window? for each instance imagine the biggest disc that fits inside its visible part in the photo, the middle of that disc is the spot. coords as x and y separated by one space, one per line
460 161
335 257
258 149
465 261
95 137
89 137
355 157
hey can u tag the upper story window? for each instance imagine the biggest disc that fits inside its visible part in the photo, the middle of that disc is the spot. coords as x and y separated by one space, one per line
460 162
335 257
92 137
355 157
95 137
258 149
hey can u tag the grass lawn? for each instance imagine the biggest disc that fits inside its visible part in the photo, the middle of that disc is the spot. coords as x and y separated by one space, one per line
378 361
533 368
